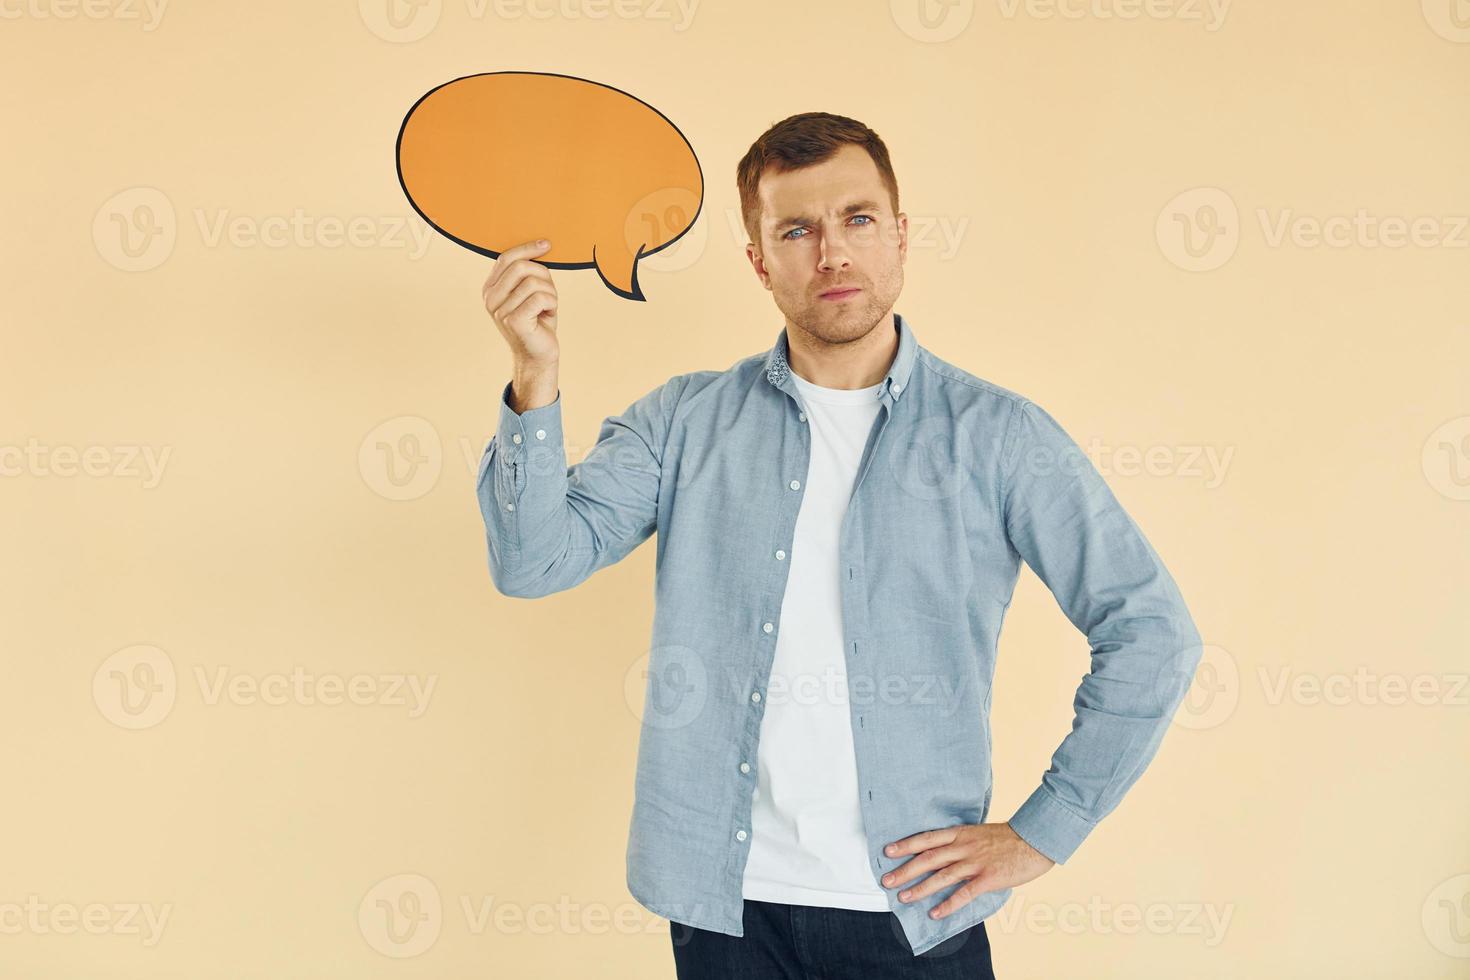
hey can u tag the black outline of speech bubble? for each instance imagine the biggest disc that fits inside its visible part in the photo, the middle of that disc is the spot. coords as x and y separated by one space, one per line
637 293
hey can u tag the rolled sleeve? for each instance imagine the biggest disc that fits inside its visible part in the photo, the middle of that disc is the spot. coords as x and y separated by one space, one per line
1067 525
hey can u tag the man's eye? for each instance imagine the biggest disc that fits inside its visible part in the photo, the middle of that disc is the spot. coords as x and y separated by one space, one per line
866 217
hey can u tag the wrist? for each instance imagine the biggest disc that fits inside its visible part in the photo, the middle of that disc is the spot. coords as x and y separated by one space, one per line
533 386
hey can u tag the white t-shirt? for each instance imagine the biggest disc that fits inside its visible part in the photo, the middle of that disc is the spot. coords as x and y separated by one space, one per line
807 845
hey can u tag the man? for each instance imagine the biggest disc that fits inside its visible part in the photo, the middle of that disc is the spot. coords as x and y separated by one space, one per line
841 522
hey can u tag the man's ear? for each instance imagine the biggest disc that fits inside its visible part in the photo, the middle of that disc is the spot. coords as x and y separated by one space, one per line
753 253
903 236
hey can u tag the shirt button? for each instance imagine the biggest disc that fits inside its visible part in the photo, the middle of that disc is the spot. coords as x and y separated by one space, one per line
510 506
801 415
516 438
796 484
897 389
780 556
540 433
755 695
740 835
768 627
745 767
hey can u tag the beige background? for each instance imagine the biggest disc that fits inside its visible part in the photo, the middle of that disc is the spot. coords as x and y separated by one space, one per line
314 410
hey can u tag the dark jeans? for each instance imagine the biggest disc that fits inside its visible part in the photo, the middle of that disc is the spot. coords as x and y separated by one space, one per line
807 942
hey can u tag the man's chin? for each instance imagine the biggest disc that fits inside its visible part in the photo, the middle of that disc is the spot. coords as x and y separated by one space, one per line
847 321
833 326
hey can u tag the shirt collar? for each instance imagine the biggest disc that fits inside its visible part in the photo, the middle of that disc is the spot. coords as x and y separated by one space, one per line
778 369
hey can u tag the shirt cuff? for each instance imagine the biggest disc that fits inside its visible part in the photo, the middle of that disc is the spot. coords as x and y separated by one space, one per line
1049 826
527 424
532 440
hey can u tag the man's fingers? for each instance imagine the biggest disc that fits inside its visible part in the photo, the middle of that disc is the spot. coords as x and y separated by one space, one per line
921 841
523 250
514 276
958 899
541 301
504 274
912 868
523 289
942 877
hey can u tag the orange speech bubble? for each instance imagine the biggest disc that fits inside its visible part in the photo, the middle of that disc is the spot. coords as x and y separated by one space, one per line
500 158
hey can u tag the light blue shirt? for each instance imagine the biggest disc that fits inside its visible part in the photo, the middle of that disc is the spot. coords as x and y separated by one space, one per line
960 481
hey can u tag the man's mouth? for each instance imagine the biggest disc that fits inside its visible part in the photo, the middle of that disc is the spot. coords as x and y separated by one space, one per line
841 293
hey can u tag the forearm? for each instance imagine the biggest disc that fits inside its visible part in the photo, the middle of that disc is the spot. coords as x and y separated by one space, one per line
1141 668
522 484
549 525
1110 582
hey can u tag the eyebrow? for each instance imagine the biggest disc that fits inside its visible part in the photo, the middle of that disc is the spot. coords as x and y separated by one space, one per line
851 209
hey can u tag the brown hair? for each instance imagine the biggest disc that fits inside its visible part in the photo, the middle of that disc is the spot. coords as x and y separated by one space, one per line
800 141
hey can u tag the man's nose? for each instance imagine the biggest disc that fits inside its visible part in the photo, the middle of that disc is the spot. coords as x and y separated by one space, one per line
834 253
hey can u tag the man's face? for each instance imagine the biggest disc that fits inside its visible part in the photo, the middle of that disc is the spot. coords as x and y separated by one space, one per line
826 226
